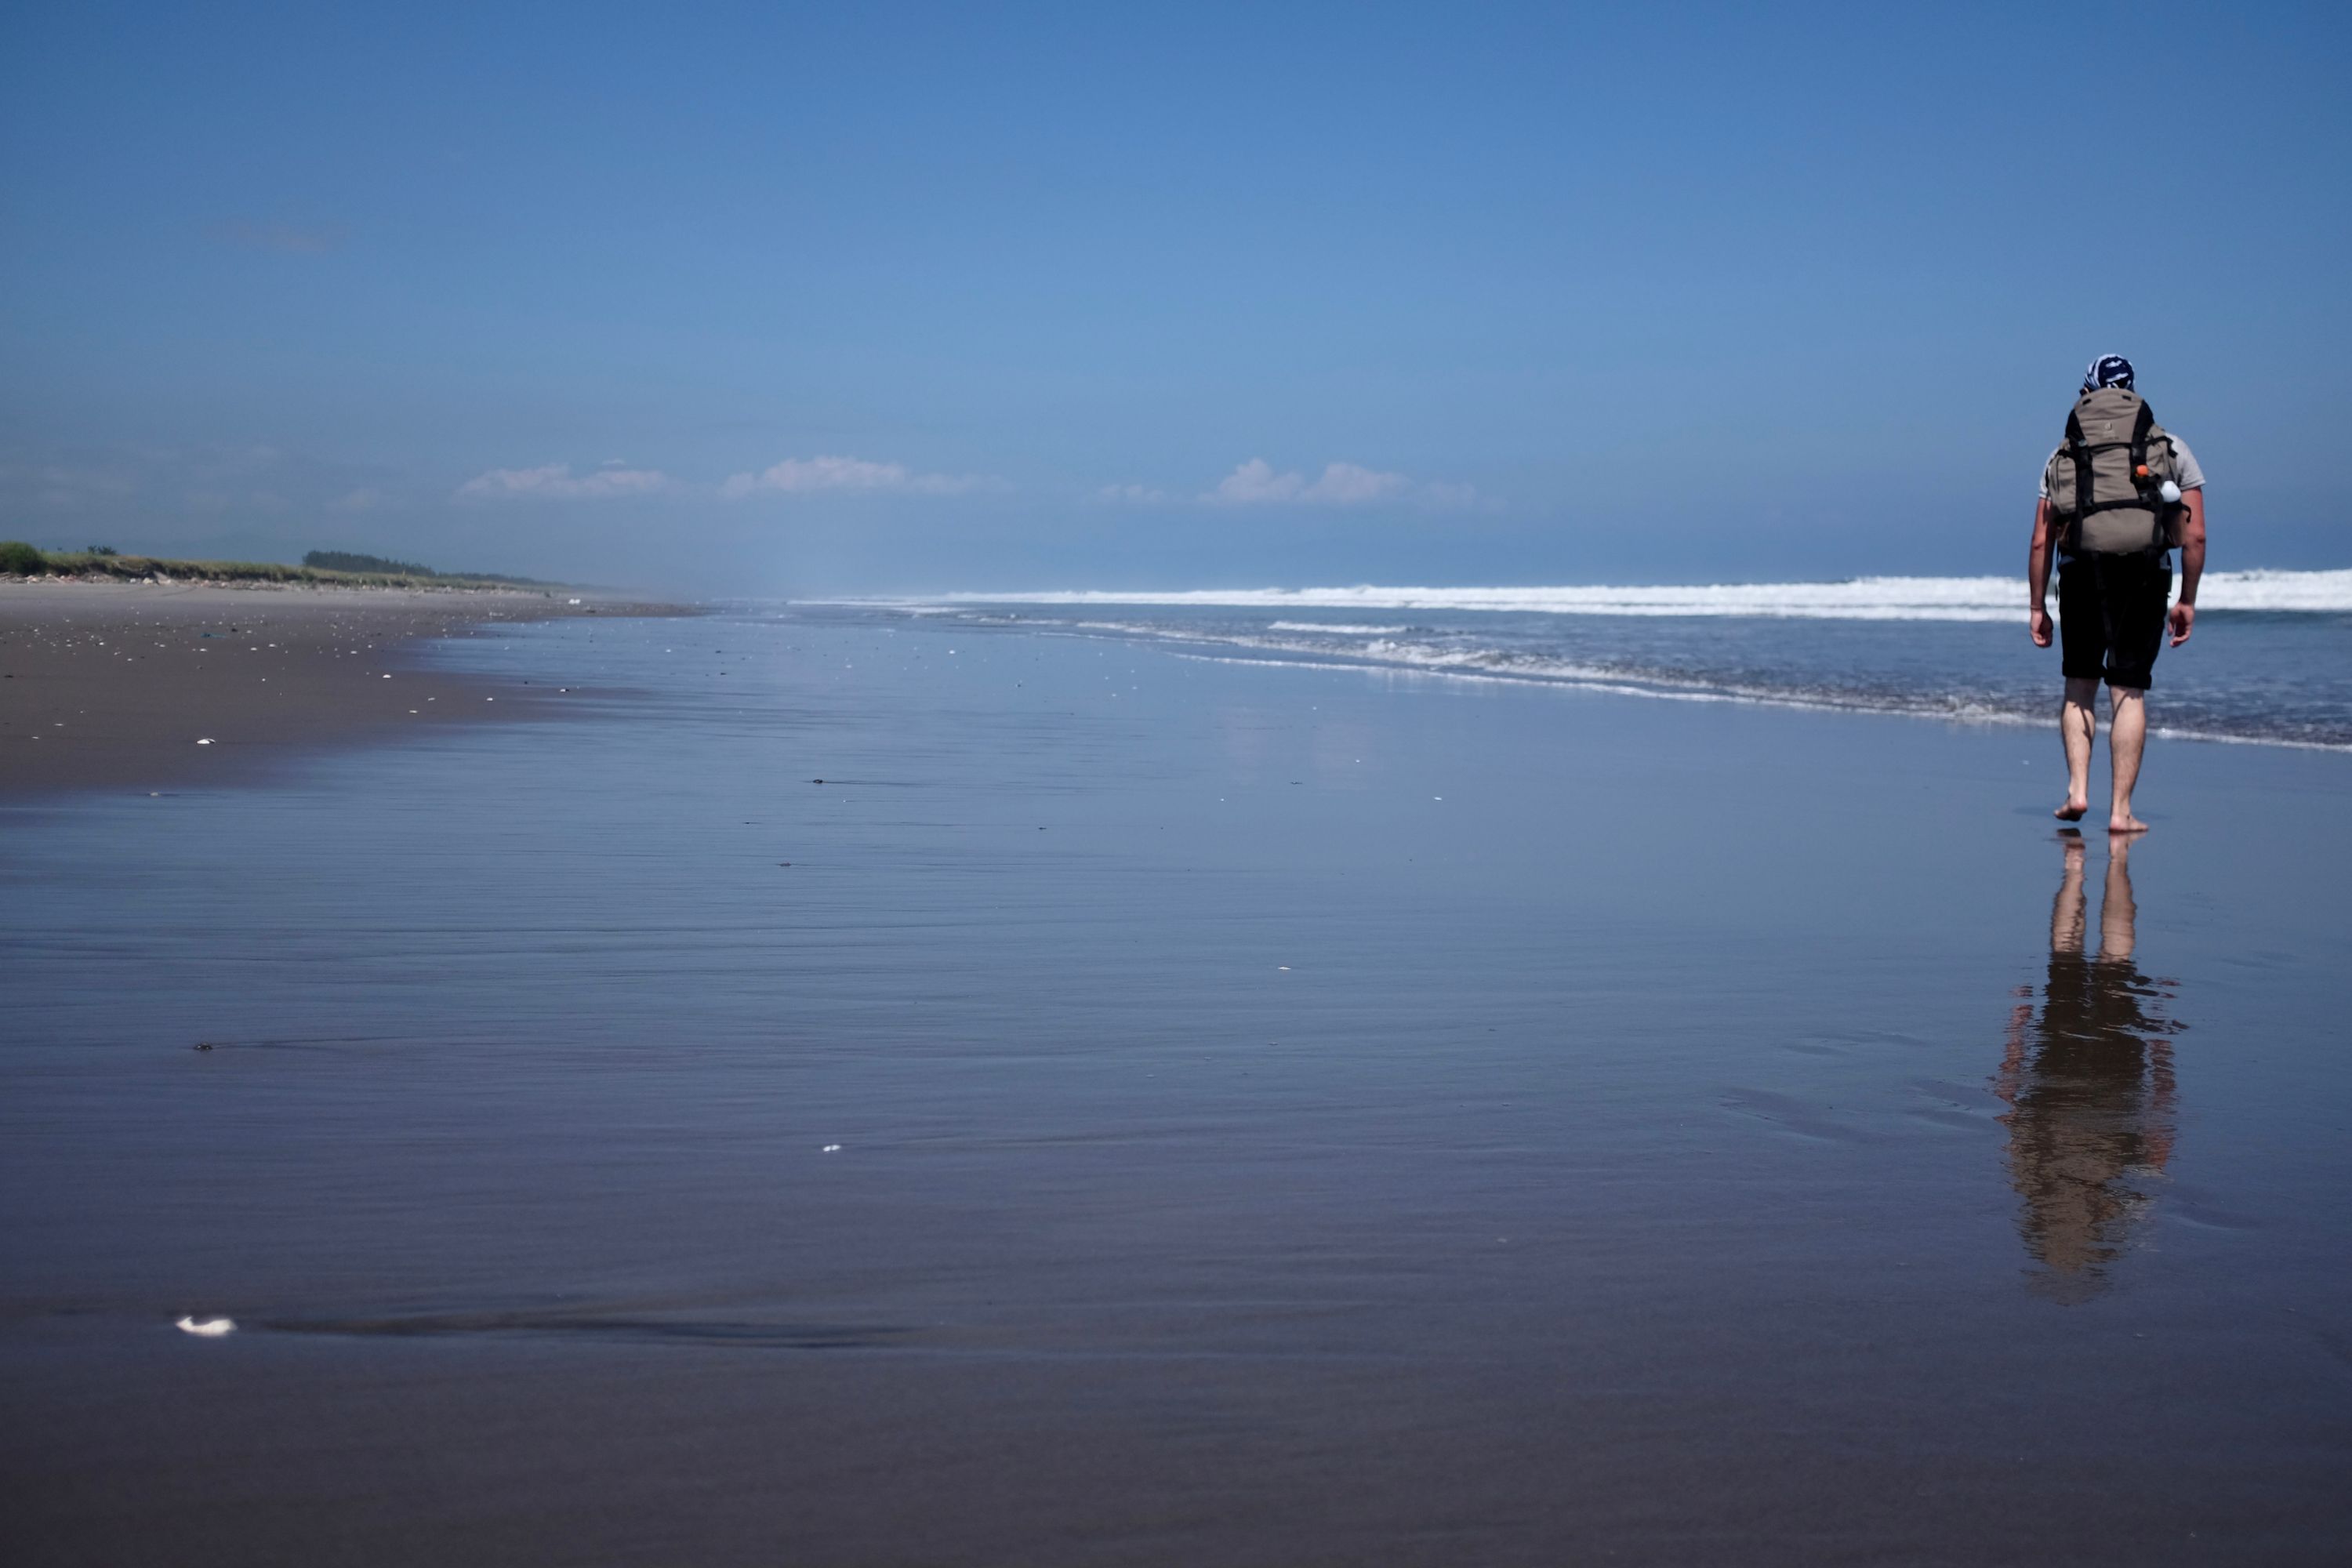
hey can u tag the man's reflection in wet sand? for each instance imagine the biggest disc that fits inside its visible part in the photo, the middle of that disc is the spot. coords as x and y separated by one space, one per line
2090 1090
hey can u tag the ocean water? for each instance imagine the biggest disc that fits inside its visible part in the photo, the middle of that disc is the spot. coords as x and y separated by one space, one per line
2271 659
871 1086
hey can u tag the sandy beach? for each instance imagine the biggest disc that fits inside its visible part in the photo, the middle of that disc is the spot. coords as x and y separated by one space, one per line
140 687
873 1092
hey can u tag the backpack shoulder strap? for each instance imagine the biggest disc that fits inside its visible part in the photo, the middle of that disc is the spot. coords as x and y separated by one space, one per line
2078 452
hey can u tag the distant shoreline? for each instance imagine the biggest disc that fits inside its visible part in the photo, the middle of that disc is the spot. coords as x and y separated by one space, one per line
144 687
20 562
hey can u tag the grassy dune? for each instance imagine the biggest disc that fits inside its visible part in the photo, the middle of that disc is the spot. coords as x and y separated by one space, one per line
21 559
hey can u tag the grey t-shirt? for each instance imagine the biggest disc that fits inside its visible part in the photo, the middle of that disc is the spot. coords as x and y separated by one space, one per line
2191 477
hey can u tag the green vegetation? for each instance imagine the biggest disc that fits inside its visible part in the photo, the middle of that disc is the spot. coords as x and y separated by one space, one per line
350 561
18 559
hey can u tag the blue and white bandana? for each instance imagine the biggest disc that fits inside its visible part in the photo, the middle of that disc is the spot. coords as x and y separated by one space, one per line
2108 370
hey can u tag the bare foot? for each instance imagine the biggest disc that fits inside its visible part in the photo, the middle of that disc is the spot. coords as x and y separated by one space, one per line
2071 811
2127 823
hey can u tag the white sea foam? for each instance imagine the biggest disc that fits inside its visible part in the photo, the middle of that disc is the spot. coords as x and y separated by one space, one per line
1859 599
2260 590
1454 641
1957 710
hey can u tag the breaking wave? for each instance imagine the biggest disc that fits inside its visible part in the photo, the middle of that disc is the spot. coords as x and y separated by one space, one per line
2275 667
1858 599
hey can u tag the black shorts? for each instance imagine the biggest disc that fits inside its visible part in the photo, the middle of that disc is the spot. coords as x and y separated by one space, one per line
2111 612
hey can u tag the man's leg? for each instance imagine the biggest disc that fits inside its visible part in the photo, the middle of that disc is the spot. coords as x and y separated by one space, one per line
2126 735
2078 720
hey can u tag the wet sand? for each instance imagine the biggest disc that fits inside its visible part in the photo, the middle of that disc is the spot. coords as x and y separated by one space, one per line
118 686
1142 1110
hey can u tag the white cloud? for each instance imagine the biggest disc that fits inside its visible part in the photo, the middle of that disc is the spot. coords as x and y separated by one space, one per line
556 481
1258 483
1349 484
810 476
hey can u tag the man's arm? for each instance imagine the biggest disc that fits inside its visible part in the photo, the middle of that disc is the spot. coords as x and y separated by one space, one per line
2192 563
2037 574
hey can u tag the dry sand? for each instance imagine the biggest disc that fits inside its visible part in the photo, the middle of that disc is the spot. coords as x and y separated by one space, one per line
117 686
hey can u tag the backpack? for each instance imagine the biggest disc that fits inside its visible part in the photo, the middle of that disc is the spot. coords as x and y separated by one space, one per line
2103 482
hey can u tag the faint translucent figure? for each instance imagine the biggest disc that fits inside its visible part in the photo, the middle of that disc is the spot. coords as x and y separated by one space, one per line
2089 1084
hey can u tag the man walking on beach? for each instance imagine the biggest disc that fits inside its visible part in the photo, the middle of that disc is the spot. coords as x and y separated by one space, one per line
2117 495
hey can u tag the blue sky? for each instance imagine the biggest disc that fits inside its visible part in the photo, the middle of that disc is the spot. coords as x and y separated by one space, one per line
776 298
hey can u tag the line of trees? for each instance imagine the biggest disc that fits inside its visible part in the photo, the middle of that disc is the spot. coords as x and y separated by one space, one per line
350 560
